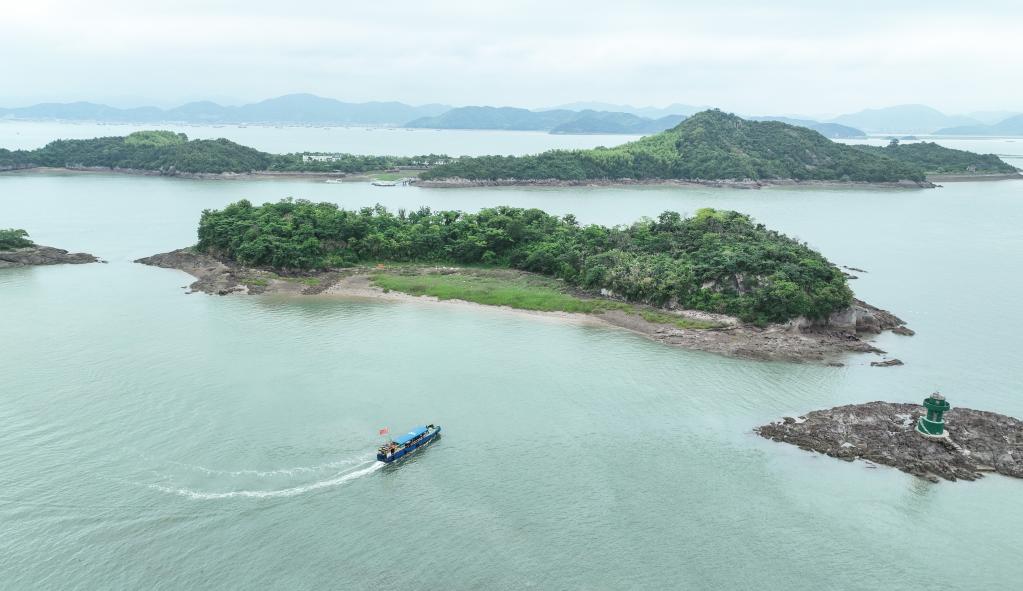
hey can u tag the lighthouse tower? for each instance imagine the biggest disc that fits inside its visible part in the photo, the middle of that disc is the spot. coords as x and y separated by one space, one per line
933 425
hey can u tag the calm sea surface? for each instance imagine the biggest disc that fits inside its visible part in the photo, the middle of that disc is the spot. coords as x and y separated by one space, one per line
153 440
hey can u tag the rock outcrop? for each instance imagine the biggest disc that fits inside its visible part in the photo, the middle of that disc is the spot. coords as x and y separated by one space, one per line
42 255
884 433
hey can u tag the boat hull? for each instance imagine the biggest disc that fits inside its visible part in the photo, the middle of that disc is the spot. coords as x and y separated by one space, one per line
410 449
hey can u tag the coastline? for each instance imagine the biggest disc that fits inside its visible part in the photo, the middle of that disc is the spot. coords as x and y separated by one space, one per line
466 183
965 178
797 341
724 183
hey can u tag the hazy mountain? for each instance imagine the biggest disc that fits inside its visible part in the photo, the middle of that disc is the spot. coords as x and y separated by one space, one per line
555 121
829 130
605 122
992 117
902 119
293 108
1013 126
648 112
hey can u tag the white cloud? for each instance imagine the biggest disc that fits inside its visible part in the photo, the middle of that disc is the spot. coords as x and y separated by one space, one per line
752 57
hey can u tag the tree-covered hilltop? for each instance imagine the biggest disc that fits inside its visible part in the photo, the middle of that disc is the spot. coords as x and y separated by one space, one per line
145 150
718 261
940 160
710 145
12 238
166 151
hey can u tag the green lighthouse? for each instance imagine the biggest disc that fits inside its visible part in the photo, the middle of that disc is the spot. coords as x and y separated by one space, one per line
933 425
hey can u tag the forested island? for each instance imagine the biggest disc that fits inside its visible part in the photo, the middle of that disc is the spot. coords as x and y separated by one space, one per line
718 271
714 146
710 147
173 153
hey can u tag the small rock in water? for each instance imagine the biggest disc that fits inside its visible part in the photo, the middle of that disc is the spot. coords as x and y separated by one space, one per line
886 363
904 330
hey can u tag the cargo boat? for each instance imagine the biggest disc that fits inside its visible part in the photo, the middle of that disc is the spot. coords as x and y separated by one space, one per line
408 443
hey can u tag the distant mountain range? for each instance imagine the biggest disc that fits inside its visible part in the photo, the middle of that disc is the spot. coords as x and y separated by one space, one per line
647 112
289 109
575 118
828 130
1013 126
561 121
922 119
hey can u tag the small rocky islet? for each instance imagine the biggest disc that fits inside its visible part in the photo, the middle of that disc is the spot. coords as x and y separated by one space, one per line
932 441
35 255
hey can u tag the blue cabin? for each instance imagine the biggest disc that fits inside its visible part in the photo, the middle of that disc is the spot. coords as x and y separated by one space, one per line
408 443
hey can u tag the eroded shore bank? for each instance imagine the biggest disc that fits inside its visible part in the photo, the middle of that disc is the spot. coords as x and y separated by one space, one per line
801 341
884 433
43 255
724 183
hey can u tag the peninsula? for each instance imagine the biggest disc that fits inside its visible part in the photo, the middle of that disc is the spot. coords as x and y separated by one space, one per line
17 250
717 281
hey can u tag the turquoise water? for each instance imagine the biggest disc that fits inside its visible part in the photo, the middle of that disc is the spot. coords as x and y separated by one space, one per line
153 440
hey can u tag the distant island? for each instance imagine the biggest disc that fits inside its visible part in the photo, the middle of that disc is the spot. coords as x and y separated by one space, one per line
717 146
18 250
558 121
166 152
710 147
1010 127
717 281
292 109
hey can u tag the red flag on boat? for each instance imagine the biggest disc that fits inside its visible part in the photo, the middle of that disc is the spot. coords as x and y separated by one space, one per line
384 431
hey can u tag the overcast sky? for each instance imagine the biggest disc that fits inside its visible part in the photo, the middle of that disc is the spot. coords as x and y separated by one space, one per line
783 56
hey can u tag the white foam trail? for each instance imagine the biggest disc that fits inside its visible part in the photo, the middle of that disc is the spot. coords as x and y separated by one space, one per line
267 494
269 473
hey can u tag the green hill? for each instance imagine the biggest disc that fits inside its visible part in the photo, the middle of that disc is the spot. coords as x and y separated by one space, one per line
144 150
710 145
940 160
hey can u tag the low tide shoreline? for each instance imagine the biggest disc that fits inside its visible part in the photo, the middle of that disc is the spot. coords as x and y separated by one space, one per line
799 342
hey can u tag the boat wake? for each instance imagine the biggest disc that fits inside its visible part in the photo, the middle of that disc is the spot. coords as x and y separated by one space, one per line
269 473
338 479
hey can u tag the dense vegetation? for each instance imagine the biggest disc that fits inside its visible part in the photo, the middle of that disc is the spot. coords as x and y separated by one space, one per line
717 261
352 163
937 159
708 145
14 238
144 150
173 152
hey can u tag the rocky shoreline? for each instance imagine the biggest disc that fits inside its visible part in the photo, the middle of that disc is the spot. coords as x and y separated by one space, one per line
42 255
724 183
884 433
801 341
965 178
224 176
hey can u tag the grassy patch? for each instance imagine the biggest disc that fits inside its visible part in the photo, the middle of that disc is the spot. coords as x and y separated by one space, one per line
520 291
256 281
387 176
